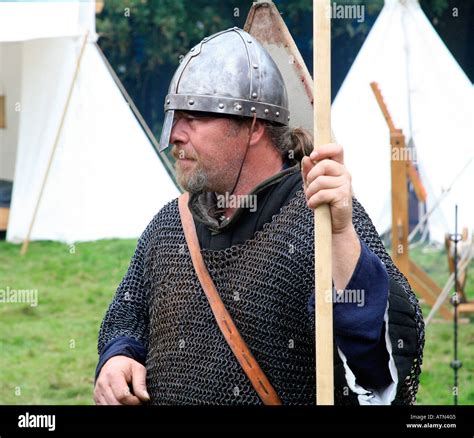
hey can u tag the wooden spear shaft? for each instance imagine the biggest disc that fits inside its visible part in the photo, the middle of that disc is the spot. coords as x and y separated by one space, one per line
322 216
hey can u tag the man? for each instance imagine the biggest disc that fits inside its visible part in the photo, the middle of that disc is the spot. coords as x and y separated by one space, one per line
250 188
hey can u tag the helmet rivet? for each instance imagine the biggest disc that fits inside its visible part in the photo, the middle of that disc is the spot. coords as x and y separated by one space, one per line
277 113
266 111
204 40
254 95
288 118
236 28
255 66
221 106
238 107
191 102
249 41
192 50
253 109
168 102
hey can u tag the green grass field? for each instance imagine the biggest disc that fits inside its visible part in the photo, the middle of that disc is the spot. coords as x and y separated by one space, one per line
48 352
437 375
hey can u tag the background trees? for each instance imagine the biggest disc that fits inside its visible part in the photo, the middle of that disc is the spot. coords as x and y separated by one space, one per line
144 39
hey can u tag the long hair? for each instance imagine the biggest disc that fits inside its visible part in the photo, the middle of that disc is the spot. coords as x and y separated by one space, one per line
293 143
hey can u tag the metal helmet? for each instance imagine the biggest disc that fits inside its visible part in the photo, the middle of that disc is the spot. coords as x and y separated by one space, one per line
227 73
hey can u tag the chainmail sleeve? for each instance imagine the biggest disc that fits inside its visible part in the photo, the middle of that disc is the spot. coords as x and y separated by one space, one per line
406 326
127 315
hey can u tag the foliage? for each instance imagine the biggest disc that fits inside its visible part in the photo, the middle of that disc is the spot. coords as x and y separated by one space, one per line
144 39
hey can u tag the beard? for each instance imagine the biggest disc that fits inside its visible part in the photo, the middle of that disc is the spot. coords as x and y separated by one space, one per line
192 181
218 177
195 181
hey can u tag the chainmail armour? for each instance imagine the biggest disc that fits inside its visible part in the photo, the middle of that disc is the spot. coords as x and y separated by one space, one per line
266 284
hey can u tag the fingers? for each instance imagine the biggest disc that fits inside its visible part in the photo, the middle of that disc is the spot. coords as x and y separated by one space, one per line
139 382
326 174
112 389
306 166
335 197
113 385
324 182
104 395
332 151
322 197
326 160
121 391
325 167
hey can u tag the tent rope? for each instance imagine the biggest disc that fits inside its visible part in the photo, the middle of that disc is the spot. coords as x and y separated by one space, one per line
163 157
437 203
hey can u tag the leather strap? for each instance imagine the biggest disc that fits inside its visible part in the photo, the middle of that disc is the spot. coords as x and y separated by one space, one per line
231 334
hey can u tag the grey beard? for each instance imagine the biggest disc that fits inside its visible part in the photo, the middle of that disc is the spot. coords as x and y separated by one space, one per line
196 183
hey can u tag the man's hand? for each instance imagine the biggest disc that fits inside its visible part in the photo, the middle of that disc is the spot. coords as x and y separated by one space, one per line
327 181
112 386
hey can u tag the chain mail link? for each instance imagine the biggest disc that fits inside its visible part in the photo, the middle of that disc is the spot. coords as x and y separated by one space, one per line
265 284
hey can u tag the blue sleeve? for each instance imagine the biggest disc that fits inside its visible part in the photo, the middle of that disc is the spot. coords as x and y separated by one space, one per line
359 326
122 346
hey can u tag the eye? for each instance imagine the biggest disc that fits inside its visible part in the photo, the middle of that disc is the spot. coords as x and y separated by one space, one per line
192 117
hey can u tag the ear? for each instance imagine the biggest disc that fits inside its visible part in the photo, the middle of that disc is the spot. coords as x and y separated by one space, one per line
257 133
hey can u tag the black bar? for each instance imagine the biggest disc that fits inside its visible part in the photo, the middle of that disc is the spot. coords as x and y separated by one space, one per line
73 420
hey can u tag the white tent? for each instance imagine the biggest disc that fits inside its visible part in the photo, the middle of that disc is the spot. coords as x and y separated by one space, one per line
430 99
106 181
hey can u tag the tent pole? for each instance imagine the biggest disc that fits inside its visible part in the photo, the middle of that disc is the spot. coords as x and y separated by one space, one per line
162 156
322 215
26 242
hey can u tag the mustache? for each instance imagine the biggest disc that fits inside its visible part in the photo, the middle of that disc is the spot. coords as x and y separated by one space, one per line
180 154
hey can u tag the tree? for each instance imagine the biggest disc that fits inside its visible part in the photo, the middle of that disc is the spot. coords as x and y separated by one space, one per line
145 39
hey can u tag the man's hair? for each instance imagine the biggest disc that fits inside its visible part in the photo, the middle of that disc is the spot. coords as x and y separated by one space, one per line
292 143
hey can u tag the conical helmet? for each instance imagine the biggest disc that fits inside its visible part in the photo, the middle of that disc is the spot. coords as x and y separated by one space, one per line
227 73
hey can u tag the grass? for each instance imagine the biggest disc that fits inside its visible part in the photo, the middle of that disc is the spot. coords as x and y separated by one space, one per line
48 352
437 376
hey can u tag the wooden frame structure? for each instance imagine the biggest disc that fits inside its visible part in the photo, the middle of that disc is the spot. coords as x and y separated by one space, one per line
402 171
4 214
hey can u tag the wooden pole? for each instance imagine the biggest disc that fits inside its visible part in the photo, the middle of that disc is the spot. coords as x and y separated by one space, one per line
322 215
24 247
399 178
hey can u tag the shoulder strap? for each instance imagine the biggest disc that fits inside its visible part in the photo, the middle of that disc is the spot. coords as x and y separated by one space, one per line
231 334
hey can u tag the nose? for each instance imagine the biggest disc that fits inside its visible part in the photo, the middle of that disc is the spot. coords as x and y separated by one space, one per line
178 132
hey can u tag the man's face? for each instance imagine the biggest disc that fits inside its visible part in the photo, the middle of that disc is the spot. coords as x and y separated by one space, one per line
208 151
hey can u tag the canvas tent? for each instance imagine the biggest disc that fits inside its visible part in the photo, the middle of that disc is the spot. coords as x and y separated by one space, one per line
106 181
430 99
